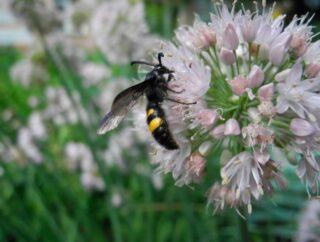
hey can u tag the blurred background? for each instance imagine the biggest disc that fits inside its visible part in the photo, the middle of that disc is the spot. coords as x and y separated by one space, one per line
62 62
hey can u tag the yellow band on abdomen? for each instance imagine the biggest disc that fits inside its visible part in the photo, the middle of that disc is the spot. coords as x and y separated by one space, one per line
150 111
154 124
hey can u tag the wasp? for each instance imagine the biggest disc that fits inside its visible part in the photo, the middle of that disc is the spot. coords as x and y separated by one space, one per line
155 88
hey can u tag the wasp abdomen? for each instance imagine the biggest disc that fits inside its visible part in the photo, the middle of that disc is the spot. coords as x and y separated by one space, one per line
158 126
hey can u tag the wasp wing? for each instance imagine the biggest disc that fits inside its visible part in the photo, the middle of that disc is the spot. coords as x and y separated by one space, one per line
121 105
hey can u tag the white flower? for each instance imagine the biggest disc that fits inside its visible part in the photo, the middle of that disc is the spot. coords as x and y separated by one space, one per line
77 16
93 73
36 126
79 156
46 12
26 72
118 33
27 144
61 109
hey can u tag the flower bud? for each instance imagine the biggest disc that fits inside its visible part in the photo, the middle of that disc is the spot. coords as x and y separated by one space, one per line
265 92
218 132
232 127
248 31
278 48
301 127
226 156
239 85
204 148
299 46
292 155
227 56
282 76
230 37
209 36
254 115
261 156
255 77
312 70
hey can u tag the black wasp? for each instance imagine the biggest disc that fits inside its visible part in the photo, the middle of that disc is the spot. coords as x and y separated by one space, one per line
155 87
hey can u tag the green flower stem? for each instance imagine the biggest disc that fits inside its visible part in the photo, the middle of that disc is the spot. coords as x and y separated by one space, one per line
249 61
237 62
215 58
257 54
280 124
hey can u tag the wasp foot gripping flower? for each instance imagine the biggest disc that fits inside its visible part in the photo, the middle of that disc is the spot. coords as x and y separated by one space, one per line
256 86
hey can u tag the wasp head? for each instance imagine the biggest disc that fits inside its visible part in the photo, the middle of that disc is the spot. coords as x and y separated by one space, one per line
161 69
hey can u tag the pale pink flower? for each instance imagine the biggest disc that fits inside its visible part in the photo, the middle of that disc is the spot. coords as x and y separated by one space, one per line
312 70
301 33
220 21
268 30
278 48
221 196
191 75
242 175
194 166
245 91
197 37
249 25
297 94
266 108
309 170
257 134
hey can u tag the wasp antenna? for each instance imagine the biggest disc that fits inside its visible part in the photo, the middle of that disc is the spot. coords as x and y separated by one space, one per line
160 55
141 62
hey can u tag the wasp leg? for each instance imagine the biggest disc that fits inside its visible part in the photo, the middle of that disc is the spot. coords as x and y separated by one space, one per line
178 92
176 101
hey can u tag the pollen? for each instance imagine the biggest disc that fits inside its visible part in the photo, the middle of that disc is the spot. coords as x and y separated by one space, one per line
154 124
150 111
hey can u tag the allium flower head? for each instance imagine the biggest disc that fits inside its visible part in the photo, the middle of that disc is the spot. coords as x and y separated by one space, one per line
256 86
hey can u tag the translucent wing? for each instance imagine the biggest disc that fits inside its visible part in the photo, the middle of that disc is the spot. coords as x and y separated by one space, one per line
121 105
143 70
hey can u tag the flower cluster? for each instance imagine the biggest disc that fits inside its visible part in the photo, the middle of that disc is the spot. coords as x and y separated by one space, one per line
256 85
